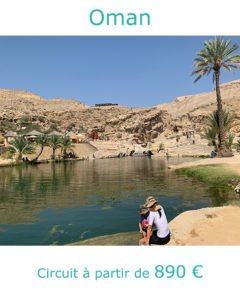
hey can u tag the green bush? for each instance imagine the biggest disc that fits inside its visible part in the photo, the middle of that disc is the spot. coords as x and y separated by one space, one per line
55 122
41 119
161 146
238 145
25 119
7 125
53 127
30 128
214 175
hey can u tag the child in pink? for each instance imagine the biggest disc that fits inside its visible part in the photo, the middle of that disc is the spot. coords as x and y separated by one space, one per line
143 223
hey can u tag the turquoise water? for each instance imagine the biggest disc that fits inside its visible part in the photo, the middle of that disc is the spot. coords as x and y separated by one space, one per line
56 204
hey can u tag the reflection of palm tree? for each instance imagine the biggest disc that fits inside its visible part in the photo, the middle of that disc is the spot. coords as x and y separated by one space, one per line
20 146
212 58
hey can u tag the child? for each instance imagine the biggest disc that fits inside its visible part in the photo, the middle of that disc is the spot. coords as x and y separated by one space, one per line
143 223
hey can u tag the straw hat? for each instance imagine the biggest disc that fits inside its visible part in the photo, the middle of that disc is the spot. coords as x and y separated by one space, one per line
143 209
150 201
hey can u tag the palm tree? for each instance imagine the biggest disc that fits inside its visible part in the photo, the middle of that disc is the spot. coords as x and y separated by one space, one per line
238 145
210 135
228 120
55 143
216 55
20 146
213 132
229 140
66 144
42 141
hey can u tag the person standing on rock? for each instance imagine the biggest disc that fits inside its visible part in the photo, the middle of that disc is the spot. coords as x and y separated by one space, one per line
166 152
157 217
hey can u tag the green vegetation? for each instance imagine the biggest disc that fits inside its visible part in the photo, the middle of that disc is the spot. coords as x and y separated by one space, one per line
66 144
54 143
53 127
82 129
6 126
119 136
20 146
42 141
213 175
161 146
238 145
25 119
216 55
101 137
30 128
212 134
70 126
41 119
55 122
54 229
229 141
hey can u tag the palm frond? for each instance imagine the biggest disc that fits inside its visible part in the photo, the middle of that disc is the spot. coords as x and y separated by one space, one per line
214 56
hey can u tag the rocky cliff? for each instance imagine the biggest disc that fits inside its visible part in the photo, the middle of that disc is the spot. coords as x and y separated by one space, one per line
21 110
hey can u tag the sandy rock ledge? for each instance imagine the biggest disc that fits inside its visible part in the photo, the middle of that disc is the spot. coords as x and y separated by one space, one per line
206 226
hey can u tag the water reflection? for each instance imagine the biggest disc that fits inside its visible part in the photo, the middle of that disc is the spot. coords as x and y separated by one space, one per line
37 203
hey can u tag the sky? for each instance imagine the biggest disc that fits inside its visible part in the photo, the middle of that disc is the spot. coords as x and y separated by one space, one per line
133 71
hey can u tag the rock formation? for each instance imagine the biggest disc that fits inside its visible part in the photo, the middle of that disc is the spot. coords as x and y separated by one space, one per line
21 109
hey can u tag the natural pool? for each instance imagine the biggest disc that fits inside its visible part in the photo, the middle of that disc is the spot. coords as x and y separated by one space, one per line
56 204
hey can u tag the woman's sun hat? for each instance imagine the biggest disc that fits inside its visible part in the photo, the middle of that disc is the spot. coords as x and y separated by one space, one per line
150 201
143 209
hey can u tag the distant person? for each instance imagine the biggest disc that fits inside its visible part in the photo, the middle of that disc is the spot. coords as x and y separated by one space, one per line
166 152
213 154
143 223
157 217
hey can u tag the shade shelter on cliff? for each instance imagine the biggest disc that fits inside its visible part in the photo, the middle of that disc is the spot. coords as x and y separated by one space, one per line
82 137
33 133
71 133
73 137
10 135
55 133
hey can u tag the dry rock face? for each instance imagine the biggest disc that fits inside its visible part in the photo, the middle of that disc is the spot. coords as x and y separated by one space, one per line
19 109
193 109
113 123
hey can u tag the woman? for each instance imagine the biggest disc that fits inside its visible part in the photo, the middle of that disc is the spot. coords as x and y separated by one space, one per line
158 218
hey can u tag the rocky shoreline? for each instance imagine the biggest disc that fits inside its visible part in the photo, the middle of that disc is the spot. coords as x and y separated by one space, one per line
203 227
